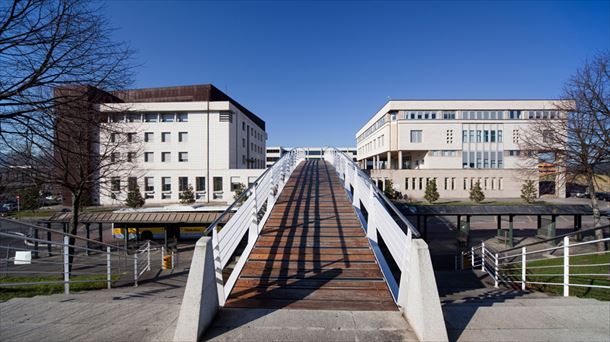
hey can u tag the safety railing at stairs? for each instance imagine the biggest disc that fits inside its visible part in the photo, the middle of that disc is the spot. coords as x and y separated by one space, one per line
555 262
253 208
378 215
32 255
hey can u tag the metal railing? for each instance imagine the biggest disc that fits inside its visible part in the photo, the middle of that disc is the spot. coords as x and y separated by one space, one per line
32 255
527 265
253 208
383 231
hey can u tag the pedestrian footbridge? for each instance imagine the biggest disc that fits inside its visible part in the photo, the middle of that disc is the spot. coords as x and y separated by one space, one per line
312 235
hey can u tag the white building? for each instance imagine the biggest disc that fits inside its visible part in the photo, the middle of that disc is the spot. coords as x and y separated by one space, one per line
276 152
191 135
458 142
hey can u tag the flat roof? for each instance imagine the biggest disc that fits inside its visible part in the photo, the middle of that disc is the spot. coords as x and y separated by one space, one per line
480 210
144 217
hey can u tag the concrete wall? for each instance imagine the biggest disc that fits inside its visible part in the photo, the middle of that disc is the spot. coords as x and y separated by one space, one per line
418 296
200 301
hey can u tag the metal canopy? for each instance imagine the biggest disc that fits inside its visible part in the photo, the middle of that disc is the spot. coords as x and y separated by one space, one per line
142 217
481 210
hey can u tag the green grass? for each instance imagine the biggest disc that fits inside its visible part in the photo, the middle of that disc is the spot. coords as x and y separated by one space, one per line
555 275
8 292
32 213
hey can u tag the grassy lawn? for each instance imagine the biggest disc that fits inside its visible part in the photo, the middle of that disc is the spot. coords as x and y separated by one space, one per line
555 275
9 292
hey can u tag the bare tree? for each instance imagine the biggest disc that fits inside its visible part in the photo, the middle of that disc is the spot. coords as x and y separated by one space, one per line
57 61
575 142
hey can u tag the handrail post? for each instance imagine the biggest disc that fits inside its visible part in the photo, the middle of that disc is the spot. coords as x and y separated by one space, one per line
496 270
108 267
472 257
148 255
566 266
135 269
173 259
253 229
66 265
523 266
482 256
371 230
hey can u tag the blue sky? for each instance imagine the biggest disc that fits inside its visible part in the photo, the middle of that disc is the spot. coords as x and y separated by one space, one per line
316 71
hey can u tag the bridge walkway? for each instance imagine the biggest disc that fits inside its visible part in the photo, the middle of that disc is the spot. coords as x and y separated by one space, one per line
312 252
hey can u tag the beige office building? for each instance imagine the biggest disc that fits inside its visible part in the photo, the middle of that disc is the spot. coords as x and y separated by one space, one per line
457 142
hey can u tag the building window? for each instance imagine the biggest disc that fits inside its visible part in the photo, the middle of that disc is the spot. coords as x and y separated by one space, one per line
421 180
134 117
131 137
515 136
547 136
149 157
479 136
446 183
500 184
452 183
148 137
485 136
151 117
183 136
165 136
416 136
182 117
407 183
199 183
243 126
115 184
183 156
514 114
464 136
235 183
113 137
500 136
131 157
449 136
449 115
167 117
115 156
132 183
217 186
183 183
166 184
165 157
149 184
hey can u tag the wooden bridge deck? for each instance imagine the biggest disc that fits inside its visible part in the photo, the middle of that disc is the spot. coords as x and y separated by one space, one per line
312 252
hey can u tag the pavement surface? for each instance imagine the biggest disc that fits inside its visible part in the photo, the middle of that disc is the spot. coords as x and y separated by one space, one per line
308 325
474 311
145 313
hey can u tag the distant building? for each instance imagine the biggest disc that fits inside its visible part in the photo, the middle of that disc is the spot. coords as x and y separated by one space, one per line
276 152
455 142
187 136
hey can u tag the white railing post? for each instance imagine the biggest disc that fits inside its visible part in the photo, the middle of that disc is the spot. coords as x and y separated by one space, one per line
566 266
472 257
371 230
135 269
220 286
482 256
108 267
148 256
523 266
496 270
253 230
173 259
66 265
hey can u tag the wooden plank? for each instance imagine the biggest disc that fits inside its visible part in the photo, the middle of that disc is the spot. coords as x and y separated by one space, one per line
311 257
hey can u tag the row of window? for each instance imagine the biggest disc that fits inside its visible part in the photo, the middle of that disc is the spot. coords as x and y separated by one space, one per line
478 136
166 157
148 117
482 159
443 153
116 186
371 129
486 183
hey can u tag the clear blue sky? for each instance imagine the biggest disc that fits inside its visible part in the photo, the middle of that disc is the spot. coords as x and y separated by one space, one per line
316 71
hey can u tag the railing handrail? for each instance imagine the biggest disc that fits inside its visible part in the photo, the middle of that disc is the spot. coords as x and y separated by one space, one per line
555 238
62 233
380 193
244 193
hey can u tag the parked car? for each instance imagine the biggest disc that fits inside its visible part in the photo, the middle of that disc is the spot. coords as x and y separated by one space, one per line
604 196
580 194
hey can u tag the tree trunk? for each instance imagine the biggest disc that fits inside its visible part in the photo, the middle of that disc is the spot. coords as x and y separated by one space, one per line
73 227
599 234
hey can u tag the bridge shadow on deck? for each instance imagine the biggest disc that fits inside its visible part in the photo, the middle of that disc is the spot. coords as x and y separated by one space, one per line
312 252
